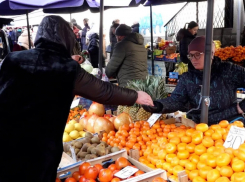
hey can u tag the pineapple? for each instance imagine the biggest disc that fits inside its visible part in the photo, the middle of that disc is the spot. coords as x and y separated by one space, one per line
142 115
133 112
126 109
154 86
119 109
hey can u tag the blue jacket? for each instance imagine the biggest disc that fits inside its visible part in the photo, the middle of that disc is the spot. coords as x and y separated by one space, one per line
12 35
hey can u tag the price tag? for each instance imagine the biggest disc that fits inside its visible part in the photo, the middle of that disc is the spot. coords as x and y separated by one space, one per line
235 137
126 172
154 117
75 103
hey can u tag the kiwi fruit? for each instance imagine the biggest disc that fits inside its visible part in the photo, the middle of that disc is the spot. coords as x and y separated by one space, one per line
89 135
95 139
85 147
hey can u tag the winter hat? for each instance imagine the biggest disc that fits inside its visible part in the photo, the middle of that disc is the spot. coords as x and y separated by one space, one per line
197 44
123 30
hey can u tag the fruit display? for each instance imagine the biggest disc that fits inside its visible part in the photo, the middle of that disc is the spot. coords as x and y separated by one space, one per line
217 44
104 173
76 113
199 151
90 147
172 81
73 131
152 85
237 54
172 56
181 68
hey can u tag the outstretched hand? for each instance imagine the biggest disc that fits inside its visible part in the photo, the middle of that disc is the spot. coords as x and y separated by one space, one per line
144 99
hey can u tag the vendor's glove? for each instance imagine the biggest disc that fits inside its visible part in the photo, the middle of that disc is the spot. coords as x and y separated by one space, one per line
157 108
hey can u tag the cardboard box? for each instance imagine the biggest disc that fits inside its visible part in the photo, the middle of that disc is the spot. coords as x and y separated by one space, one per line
147 177
171 50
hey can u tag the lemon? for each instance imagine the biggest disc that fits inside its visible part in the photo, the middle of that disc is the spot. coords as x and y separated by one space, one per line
82 133
78 127
72 121
66 138
69 127
74 134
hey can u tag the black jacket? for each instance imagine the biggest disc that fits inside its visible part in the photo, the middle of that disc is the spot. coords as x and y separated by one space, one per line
184 43
36 90
93 49
225 79
135 28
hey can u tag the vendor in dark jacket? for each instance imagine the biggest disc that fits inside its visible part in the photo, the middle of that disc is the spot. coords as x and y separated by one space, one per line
185 37
225 79
41 83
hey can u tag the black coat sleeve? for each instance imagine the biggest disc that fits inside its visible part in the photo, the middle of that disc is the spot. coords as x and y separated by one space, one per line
94 89
184 43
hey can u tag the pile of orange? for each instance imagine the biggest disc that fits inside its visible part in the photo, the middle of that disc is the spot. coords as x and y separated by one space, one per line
199 151
236 53
139 135
76 113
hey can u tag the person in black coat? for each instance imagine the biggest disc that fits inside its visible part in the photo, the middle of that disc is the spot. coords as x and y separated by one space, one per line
93 49
225 79
113 39
135 27
185 36
37 87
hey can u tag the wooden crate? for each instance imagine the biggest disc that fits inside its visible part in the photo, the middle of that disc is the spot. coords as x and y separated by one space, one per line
147 177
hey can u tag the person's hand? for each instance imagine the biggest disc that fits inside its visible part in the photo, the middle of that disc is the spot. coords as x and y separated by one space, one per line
78 58
157 108
240 111
144 99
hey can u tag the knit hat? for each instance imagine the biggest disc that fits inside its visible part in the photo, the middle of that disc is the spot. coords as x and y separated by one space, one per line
123 30
197 44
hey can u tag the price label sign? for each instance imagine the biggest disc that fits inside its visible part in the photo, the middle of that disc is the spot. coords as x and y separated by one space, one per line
154 117
235 137
75 103
126 172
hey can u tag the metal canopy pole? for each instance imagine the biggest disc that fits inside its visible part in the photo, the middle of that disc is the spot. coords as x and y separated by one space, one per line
238 33
152 58
101 37
28 30
207 62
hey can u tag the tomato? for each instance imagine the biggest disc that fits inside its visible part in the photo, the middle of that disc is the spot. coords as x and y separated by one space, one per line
190 166
177 169
213 175
184 154
83 167
171 148
158 179
57 180
222 179
105 175
91 173
70 180
238 166
115 180
202 127
193 174
76 175
112 167
139 173
204 171
82 179
226 171
98 166
114 172
197 137
198 179
223 160
121 162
